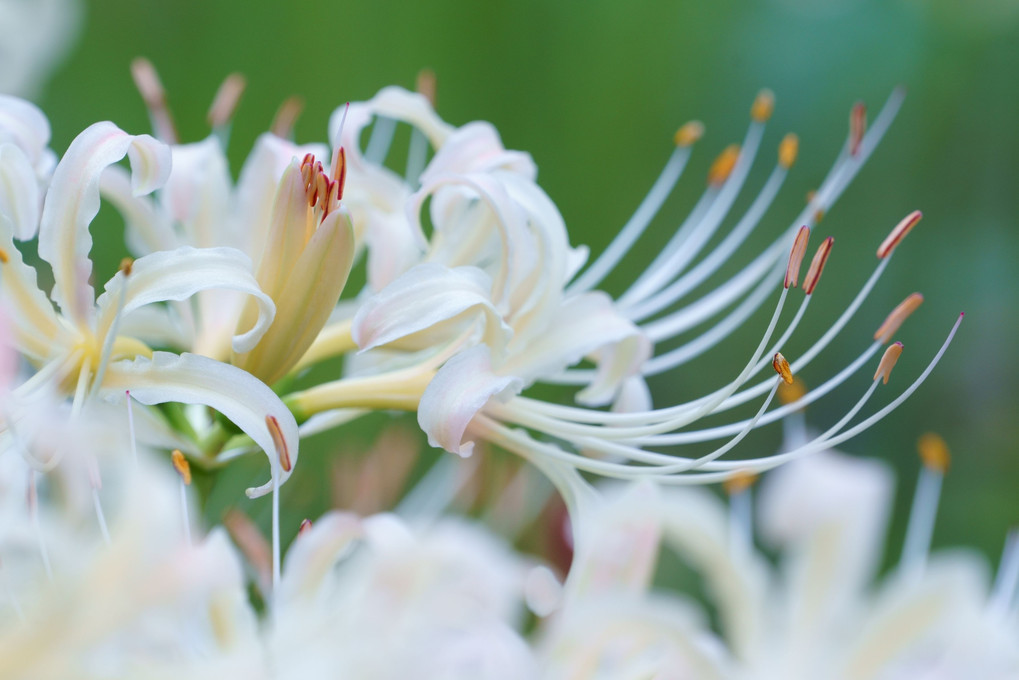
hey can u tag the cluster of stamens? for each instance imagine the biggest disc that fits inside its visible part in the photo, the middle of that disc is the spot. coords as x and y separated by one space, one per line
324 191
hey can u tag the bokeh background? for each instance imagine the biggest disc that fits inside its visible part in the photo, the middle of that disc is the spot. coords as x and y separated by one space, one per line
594 90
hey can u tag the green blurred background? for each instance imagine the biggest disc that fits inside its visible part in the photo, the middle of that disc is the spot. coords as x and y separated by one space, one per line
594 90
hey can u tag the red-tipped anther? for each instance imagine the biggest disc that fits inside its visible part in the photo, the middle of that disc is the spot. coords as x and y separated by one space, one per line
340 172
181 465
817 265
857 127
898 233
781 366
896 317
891 355
282 451
792 271
286 117
228 96
305 526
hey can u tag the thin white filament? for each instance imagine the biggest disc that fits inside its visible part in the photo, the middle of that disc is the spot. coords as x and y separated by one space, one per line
636 225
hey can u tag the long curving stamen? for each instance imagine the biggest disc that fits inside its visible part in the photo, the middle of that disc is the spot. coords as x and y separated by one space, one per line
741 523
286 117
146 79
224 104
646 211
183 468
33 512
111 335
96 484
726 178
417 152
934 454
1006 581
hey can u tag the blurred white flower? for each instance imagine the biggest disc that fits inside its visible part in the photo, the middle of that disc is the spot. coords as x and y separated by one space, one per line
34 37
822 612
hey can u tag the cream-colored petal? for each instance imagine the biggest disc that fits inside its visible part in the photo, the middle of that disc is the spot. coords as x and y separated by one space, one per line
179 274
73 201
193 379
459 390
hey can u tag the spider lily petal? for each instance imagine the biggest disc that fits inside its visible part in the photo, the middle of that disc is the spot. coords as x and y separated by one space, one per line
458 391
430 305
193 379
73 201
178 275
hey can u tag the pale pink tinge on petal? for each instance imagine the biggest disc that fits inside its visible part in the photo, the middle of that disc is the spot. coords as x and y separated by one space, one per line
459 390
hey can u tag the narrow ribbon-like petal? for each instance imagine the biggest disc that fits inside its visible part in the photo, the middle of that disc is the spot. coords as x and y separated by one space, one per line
181 273
458 391
73 201
306 300
20 200
428 305
193 379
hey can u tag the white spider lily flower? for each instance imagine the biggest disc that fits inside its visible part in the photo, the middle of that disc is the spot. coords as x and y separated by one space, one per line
34 38
818 613
284 213
497 300
80 347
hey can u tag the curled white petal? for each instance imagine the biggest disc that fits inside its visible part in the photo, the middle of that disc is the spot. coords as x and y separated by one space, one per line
427 305
20 200
193 379
181 273
73 201
458 391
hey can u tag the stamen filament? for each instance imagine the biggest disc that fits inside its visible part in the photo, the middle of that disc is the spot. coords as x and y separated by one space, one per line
636 225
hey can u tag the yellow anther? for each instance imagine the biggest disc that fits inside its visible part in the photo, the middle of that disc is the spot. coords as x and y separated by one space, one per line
789 393
781 366
934 452
787 150
739 482
723 165
4 257
764 105
897 317
180 464
689 133
126 265
891 355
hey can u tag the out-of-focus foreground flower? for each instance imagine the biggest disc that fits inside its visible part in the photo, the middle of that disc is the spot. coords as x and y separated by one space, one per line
34 37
